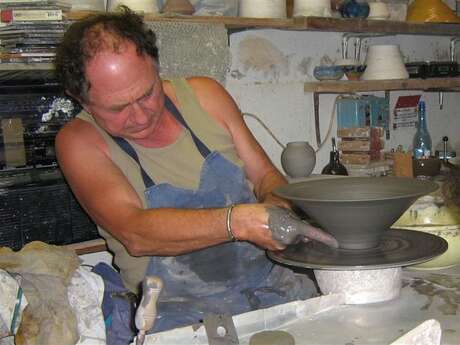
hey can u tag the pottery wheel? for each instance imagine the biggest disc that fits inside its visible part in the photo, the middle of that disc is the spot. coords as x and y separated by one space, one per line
397 248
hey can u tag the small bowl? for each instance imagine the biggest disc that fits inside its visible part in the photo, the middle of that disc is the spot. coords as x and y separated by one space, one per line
354 72
426 167
328 72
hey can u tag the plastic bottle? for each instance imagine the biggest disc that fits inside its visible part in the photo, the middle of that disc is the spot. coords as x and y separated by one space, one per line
422 139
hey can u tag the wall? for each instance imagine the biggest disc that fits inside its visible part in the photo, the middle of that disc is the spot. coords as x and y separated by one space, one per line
269 67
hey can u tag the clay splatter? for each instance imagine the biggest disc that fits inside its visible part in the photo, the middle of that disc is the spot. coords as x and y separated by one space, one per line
260 55
443 287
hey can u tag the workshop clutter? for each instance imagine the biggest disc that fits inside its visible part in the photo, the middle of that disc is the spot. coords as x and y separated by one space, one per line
362 122
48 298
361 151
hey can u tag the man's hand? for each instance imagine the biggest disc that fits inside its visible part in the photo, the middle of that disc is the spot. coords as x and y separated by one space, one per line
273 228
287 228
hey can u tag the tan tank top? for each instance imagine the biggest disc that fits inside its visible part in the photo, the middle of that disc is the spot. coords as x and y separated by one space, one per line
165 165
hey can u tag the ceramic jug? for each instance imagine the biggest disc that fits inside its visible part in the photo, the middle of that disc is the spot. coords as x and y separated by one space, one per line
298 159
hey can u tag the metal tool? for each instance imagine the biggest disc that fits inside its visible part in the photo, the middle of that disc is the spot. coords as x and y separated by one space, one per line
147 311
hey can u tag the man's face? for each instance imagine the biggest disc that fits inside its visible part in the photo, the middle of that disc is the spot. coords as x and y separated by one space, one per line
126 96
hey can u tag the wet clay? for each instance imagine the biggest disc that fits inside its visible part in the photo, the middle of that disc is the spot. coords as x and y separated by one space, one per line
440 286
272 338
287 228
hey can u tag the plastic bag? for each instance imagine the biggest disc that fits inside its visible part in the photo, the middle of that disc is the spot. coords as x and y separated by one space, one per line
434 11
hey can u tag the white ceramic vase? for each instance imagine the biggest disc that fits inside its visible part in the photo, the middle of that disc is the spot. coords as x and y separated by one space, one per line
262 8
298 159
384 62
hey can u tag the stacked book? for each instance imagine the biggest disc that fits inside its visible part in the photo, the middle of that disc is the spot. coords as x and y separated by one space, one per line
30 30
361 151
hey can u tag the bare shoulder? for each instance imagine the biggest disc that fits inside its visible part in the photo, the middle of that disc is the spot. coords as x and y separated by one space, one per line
79 134
215 99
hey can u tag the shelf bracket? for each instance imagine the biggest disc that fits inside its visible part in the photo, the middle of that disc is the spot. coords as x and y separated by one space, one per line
316 110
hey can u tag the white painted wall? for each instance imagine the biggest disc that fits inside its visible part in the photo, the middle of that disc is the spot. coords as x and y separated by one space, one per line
269 67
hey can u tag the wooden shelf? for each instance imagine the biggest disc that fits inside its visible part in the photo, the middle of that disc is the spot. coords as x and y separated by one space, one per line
88 247
344 86
306 24
45 66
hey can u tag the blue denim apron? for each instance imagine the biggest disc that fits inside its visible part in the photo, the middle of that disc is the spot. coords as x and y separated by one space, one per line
233 277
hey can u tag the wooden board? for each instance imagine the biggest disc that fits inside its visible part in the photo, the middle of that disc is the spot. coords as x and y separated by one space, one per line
88 247
307 24
343 86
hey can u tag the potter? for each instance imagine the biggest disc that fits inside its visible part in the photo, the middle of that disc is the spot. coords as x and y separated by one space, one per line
177 184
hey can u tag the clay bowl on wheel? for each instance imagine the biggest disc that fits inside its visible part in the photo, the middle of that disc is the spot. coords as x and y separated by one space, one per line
356 210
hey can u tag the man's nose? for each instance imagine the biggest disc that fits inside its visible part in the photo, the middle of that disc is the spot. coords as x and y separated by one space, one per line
138 114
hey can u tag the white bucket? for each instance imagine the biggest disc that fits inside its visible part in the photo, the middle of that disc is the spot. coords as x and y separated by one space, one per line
262 8
363 286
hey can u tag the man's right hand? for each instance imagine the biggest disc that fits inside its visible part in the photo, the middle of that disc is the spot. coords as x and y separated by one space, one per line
274 228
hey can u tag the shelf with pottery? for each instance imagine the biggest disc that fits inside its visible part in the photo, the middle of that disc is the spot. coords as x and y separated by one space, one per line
346 86
305 24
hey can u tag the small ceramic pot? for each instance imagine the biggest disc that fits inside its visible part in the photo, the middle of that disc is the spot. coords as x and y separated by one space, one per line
378 11
298 159
354 72
354 9
328 72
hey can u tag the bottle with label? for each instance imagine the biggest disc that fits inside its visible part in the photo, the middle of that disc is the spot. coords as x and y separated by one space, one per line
422 139
334 167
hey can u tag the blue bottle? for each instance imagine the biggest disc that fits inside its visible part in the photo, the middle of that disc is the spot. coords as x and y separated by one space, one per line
422 138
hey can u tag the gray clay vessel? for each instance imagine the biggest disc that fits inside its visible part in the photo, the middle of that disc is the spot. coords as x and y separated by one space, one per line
298 159
356 210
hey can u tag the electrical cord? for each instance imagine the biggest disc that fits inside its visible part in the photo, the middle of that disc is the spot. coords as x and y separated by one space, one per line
326 138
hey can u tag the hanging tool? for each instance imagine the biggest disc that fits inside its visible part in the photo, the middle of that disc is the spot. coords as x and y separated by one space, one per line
147 310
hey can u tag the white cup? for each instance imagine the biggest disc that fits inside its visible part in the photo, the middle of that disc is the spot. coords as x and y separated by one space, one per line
316 8
262 8
384 62
378 11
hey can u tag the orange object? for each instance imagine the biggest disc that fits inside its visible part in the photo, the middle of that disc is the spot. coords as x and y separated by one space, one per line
402 164
434 11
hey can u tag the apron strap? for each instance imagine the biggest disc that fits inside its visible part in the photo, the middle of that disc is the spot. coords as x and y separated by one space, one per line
128 148
204 150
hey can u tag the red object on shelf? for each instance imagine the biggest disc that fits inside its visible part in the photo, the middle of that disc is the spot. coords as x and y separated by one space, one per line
6 16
